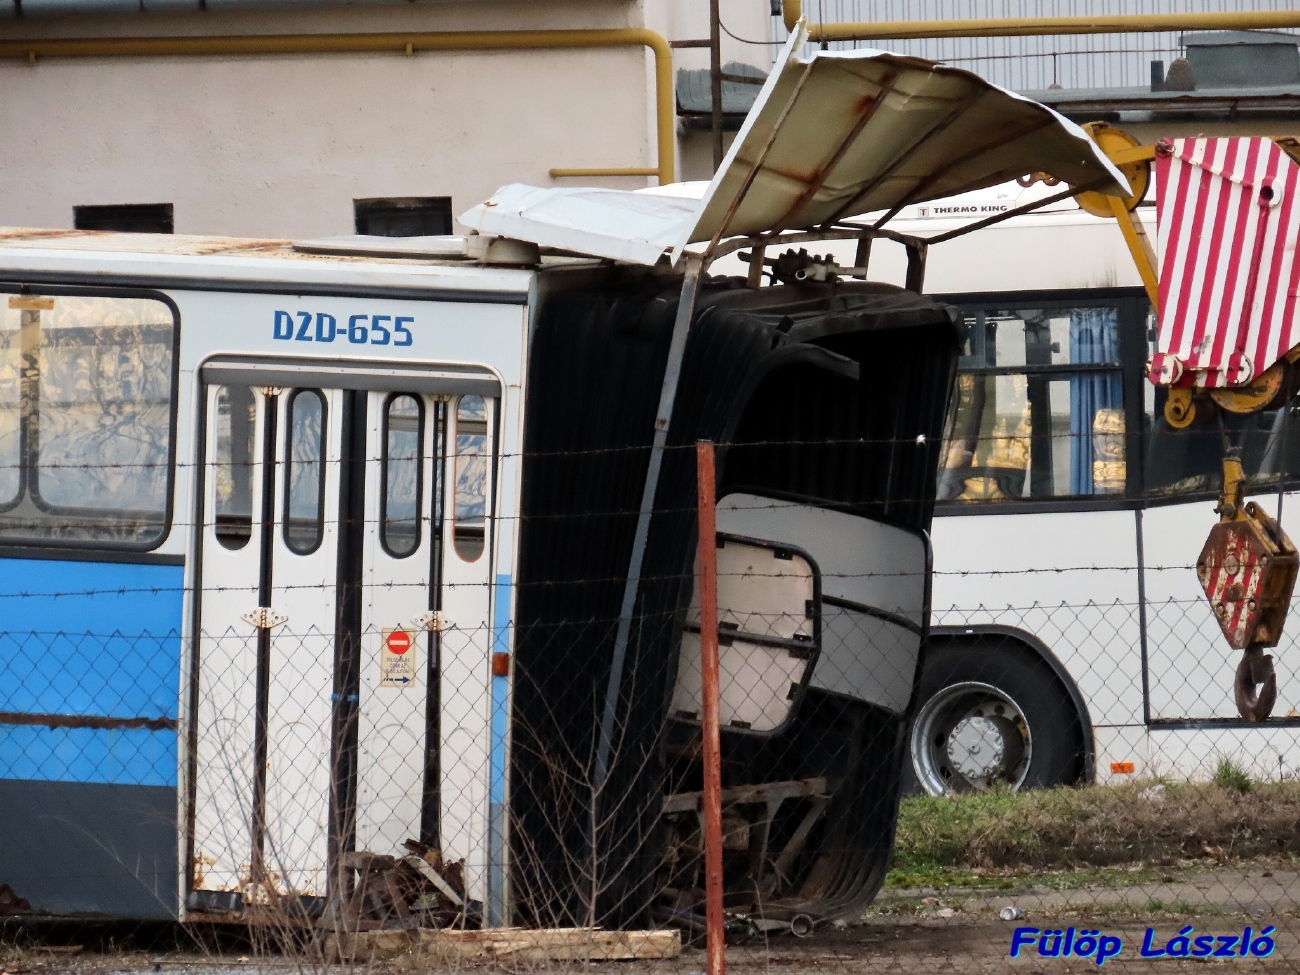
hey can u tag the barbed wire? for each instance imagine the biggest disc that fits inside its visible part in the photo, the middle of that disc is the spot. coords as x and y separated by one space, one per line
918 439
647 578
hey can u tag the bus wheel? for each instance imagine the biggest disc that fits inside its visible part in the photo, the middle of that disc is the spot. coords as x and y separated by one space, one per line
992 716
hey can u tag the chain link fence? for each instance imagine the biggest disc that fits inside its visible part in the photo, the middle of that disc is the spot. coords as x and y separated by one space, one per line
908 778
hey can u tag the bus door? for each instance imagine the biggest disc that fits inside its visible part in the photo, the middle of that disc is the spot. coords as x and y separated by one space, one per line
341 654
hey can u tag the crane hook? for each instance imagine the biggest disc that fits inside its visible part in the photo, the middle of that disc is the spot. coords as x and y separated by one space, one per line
1256 685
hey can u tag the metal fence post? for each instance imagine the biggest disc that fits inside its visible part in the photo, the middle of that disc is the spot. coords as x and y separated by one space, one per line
712 798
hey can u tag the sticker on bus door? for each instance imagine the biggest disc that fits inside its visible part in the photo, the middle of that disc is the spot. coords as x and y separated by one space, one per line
397 659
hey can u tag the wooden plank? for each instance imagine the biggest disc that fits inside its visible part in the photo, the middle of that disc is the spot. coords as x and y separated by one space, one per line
515 944
558 944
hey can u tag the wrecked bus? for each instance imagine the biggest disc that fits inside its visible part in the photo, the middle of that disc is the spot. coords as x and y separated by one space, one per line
325 557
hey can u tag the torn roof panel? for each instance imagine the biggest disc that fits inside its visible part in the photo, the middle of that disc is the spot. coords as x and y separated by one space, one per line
617 224
830 137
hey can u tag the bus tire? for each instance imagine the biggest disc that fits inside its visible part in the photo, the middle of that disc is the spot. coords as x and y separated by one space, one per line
991 713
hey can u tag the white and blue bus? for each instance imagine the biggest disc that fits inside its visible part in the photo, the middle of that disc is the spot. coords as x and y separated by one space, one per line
319 549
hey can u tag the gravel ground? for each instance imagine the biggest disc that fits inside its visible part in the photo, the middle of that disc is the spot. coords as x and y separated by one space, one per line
924 931
1246 891
895 946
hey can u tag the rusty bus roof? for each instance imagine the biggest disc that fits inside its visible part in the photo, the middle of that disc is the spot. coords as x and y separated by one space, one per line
164 259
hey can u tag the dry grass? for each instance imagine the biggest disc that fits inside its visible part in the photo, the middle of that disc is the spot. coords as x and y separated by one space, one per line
1055 829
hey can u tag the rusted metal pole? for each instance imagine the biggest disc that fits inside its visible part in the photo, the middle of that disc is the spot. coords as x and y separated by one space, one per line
715 81
711 725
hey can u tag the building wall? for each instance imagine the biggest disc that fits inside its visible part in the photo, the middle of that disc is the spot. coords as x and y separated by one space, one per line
281 145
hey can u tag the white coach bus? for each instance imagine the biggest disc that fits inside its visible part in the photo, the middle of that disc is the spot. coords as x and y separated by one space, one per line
1071 641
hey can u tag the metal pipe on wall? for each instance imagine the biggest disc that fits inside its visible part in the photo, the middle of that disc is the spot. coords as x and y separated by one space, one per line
395 43
792 10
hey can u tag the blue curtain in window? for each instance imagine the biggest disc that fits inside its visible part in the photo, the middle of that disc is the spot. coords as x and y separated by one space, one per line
1094 337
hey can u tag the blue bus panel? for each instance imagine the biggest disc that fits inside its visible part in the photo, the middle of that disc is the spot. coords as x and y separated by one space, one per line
89 685
89 671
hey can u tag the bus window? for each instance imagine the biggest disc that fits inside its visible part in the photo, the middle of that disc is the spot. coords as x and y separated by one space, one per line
11 408
472 459
1190 461
233 467
85 419
403 464
304 500
1039 407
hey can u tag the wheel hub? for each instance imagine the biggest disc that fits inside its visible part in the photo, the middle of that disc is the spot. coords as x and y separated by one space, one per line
970 736
976 747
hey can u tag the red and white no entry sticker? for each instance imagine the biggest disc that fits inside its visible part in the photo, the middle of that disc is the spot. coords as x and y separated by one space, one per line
399 641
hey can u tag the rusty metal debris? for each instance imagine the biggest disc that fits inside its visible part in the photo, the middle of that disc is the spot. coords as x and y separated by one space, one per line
752 816
418 890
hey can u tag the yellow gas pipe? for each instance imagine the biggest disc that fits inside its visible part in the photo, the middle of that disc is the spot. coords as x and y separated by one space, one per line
395 43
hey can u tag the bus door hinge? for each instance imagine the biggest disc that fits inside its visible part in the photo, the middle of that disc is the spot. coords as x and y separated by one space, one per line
435 621
264 618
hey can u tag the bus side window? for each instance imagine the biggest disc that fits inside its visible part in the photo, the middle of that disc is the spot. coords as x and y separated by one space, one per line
86 419
1039 408
402 474
473 455
304 496
11 411
236 430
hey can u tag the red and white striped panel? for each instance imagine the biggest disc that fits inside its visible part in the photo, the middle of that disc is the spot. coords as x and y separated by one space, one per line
1228 220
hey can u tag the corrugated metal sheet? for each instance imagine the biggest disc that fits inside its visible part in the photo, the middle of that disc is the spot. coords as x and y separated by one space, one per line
1030 63
695 93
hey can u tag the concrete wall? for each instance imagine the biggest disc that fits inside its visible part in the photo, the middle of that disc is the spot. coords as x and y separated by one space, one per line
280 145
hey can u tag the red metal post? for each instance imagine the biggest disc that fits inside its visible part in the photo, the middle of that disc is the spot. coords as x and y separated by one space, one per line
708 568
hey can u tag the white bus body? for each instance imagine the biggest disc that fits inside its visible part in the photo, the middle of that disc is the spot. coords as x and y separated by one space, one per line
1101 585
